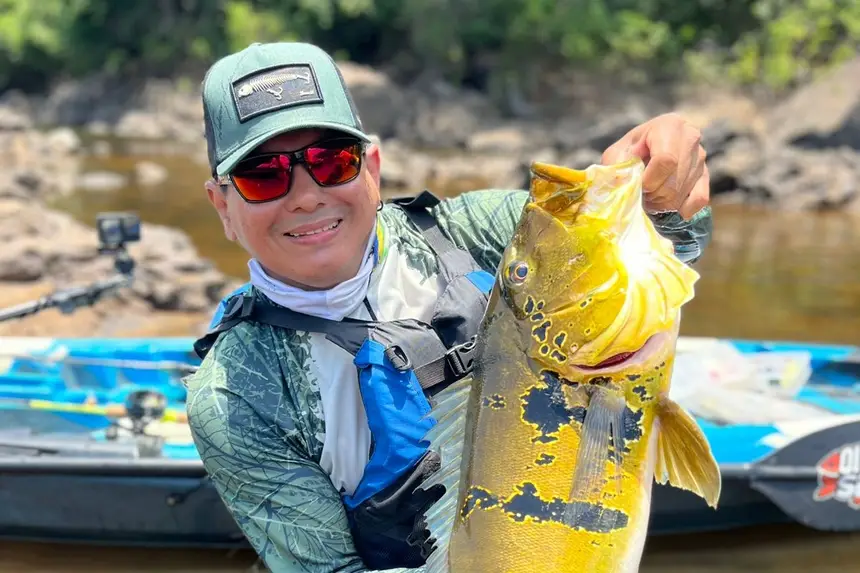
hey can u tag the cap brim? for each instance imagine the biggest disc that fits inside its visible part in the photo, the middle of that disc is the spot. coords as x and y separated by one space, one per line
242 151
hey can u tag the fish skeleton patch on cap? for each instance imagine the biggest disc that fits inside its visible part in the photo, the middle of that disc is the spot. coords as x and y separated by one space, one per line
275 88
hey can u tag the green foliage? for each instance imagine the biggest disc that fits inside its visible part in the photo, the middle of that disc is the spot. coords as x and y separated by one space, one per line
796 38
775 42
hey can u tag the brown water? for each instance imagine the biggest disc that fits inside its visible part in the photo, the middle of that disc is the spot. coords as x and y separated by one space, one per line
767 274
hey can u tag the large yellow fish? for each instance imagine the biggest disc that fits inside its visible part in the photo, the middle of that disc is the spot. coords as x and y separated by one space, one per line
567 418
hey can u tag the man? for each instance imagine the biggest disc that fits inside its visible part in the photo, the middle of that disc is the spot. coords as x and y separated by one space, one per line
309 406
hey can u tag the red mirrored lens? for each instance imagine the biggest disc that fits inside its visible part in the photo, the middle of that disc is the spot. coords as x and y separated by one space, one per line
333 165
262 178
267 177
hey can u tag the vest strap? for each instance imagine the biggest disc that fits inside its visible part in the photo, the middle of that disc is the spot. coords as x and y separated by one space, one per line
452 260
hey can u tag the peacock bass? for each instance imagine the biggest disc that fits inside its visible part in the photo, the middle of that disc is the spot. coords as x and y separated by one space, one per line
567 417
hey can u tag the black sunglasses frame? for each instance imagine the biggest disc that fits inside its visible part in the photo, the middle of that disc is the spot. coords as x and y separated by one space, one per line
298 157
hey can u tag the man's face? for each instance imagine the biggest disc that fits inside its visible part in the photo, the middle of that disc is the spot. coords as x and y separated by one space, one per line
276 233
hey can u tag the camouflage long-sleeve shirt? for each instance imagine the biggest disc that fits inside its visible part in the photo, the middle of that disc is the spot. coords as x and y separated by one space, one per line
276 415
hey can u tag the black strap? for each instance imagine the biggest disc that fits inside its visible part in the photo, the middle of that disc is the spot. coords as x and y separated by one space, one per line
453 261
454 365
435 366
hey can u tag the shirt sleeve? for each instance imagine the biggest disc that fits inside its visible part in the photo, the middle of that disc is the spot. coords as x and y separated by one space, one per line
484 222
279 496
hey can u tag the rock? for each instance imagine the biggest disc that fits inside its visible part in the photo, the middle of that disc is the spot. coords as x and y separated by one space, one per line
799 179
717 136
63 140
379 101
508 139
140 124
823 114
98 128
460 173
730 163
101 148
101 181
170 275
402 168
596 133
581 158
27 172
13 120
148 173
443 117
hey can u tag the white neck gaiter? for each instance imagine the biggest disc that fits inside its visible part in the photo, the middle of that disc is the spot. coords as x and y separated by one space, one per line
333 304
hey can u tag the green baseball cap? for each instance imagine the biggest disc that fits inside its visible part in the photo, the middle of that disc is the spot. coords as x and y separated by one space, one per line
268 89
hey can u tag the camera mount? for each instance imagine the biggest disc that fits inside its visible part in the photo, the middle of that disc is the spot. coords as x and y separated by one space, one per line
115 231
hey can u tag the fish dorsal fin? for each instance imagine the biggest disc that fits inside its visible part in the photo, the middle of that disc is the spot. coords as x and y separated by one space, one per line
446 438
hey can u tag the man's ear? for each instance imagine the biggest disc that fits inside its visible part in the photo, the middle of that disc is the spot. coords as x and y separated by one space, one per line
373 162
218 197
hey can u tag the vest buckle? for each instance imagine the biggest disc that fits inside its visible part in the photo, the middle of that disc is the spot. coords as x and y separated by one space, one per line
461 358
240 307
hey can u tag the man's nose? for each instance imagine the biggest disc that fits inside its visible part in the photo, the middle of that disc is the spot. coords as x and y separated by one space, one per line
305 194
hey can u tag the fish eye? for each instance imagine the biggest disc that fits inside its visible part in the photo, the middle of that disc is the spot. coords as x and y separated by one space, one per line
518 271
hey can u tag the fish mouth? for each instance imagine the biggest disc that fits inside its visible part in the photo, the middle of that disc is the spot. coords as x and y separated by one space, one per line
627 359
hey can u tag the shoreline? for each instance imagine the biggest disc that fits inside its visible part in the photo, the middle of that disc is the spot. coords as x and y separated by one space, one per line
798 156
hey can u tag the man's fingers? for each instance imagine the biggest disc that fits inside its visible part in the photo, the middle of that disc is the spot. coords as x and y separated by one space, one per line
616 153
699 196
690 162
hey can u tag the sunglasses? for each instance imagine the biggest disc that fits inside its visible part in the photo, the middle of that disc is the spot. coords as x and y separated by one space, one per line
269 176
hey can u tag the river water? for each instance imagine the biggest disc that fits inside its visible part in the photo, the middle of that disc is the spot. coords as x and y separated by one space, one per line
767 274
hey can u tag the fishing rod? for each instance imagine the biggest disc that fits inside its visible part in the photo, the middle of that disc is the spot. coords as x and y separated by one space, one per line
115 231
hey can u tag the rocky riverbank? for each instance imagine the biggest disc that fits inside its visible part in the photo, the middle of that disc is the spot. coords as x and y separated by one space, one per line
802 153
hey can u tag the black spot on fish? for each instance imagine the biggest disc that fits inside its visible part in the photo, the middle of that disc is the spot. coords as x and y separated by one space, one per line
559 340
496 401
633 377
544 349
632 426
477 498
544 460
642 392
585 303
546 408
576 515
539 332
492 318
601 381
537 317
530 305
558 356
540 305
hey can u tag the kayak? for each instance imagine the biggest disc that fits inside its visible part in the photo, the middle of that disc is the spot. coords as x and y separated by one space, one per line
95 448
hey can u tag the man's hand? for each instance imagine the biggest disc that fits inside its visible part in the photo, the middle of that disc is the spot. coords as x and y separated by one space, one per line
676 177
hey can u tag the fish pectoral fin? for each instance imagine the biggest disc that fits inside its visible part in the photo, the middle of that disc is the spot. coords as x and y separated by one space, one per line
604 420
684 457
446 438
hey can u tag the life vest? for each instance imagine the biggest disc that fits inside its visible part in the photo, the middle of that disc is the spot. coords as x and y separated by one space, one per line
401 365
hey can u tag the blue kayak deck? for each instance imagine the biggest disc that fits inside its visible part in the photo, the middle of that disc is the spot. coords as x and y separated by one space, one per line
103 371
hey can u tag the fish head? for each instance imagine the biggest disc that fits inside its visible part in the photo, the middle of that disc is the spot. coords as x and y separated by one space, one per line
245 90
586 274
